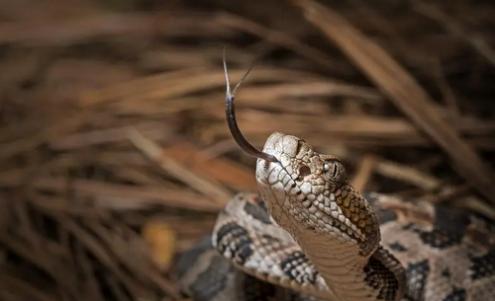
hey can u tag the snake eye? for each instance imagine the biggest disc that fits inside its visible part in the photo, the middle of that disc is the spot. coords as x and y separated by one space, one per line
334 170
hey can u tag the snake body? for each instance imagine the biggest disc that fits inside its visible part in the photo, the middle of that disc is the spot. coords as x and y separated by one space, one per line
310 236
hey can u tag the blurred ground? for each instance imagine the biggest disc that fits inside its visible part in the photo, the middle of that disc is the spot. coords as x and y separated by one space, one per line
114 150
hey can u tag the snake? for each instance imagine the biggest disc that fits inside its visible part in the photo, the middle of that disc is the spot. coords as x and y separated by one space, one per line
309 235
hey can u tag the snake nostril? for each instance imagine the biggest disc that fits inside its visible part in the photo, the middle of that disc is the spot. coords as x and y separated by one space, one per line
299 146
304 170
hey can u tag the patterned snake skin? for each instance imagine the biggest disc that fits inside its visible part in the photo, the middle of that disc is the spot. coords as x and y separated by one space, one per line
311 236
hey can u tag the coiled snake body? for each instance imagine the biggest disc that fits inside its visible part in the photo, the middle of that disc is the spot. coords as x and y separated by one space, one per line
311 233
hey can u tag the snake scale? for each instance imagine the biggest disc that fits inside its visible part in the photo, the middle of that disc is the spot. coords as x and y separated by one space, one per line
309 235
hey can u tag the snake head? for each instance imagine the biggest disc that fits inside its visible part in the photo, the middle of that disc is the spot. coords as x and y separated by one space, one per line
300 166
304 188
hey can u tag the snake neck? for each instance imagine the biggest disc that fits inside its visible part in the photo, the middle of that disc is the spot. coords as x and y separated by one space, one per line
355 267
350 276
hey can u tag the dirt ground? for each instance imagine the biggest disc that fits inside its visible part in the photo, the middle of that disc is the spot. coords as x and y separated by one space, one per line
114 151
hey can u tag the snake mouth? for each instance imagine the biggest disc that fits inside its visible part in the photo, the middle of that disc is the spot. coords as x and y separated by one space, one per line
277 180
284 148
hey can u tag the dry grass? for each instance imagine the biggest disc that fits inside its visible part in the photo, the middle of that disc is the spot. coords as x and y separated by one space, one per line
113 142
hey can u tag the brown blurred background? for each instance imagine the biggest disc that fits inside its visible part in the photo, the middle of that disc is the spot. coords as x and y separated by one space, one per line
115 156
